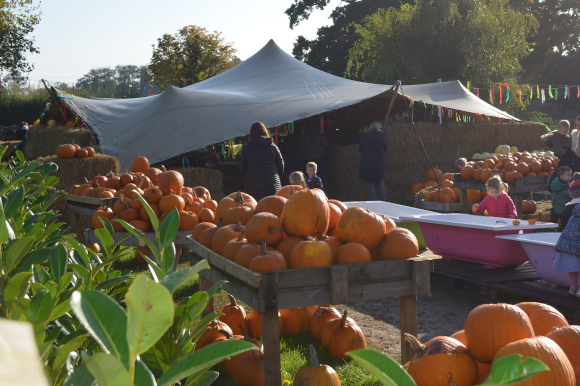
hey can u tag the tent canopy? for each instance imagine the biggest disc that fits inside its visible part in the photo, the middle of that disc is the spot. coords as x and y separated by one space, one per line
271 87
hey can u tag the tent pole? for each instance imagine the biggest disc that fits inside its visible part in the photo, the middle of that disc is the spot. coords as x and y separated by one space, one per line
391 104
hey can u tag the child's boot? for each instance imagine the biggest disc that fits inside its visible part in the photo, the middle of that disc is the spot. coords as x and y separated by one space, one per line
574 293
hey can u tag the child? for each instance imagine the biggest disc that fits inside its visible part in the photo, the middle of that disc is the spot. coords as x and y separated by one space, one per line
560 194
313 181
497 202
569 208
461 163
297 178
568 245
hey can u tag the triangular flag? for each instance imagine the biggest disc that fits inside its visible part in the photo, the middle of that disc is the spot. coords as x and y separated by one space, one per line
556 97
538 90
477 92
520 92
550 91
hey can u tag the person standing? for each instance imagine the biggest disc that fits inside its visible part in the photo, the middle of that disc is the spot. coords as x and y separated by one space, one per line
372 167
262 162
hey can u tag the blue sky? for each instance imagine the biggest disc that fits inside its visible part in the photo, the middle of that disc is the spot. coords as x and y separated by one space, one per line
77 35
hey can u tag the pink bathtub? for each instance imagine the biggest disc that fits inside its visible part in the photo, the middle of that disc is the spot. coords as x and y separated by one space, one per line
473 238
540 250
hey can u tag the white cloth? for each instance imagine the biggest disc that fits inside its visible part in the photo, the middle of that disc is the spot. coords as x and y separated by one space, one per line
575 135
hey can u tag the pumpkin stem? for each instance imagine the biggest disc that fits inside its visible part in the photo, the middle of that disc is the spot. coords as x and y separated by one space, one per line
274 229
171 192
244 333
310 238
240 236
220 222
343 320
416 346
163 168
237 227
313 357
264 251
225 333
239 198
232 301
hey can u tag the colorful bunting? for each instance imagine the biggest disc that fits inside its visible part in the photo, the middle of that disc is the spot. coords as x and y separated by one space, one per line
550 91
520 92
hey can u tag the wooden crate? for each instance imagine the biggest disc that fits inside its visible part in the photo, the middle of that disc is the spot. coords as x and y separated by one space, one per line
84 206
269 292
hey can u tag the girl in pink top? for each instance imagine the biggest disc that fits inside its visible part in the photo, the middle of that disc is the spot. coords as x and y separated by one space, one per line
497 202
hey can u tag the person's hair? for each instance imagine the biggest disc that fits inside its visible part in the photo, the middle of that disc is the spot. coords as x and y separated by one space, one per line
258 129
376 125
564 123
461 161
297 178
496 182
563 169
312 165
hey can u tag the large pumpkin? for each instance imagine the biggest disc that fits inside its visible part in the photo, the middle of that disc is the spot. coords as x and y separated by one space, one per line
361 226
249 371
344 338
543 317
140 165
310 253
399 243
568 338
234 316
264 226
482 368
66 151
329 327
271 204
441 362
305 214
546 350
321 316
489 327
316 374
170 180
352 253
297 320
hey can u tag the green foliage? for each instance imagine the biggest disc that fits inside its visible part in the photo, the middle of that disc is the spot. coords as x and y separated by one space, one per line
191 55
17 105
480 40
106 82
17 20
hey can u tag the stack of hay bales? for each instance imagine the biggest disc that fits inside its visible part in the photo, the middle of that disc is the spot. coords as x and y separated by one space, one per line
406 162
211 179
44 141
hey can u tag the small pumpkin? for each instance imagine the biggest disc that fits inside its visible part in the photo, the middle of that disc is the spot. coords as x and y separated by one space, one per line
319 319
285 246
543 317
353 253
344 338
144 215
334 215
297 320
206 237
255 324
102 211
230 363
171 201
249 371
224 235
268 261
234 316
170 180
233 246
264 226
329 327
93 247
187 220
334 243
140 165
341 205
316 374
482 368
90 151
81 153
310 253
153 195
214 332
398 243
206 215
271 204
288 190
416 187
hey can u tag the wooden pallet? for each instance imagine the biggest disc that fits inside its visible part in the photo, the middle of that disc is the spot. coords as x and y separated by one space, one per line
458 272
540 291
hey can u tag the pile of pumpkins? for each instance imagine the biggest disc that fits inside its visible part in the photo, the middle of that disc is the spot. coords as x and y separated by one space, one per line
339 333
493 331
301 228
510 167
73 150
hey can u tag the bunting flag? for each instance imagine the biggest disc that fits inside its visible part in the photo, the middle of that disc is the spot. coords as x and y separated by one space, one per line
477 92
500 96
543 96
508 92
556 95
550 91
538 91
468 88
151 91
291 127
578 95
520 92
531 92
98 88
565 92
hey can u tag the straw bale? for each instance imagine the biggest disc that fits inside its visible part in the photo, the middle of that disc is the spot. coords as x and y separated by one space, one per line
406 162
73 171
44 141
211 179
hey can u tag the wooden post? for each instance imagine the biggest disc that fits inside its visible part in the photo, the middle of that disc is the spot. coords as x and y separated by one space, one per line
80 228
518 203
271 330
464 204
408 325
204 285
391 105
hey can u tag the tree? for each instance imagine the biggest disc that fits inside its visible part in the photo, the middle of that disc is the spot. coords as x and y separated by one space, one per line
17 21
122 81
191 55
477 40
329 51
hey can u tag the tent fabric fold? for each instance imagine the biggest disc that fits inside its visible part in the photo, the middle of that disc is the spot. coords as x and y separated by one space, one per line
271 86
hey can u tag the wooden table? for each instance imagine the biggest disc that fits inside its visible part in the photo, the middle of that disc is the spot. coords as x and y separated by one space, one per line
520 185
85 206
269 292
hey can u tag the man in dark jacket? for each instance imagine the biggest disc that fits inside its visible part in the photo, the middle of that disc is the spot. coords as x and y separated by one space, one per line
262 162
372 167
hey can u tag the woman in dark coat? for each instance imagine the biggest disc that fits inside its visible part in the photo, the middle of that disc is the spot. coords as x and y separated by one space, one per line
262 162
372 168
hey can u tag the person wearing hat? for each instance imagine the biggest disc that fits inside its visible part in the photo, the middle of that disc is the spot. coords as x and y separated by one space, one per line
568 245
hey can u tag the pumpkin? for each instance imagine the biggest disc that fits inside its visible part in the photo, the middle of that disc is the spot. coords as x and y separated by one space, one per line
234 316
206 215
144 215
271 204
230 363
543 317
210 204
416 187
353 253
264 226
535 166
285 246
329 327
360 225
255 324
319 319
126 178
529 206
170 181
247 252
206 237
433 174
446 184
102 211
305 213
171 201
268 260
297 320
90 151
316 374
232 247
199 228
477 174
212 333
249 371
340 204
546 350
344 338
473 195
441 362
129 214
239 213
72 189
202 192
523 168
398 243
482 368
489 327
288 190
66 151
485 175
467 172
81 153
82 188
447 195
140 225
334 215
153 195
224 235
187 220
310 253
242 197
139 253
568 338
140 165
334 243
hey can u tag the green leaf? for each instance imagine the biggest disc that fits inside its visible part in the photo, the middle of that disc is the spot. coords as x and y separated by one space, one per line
108 370
37 257
82 272
81 250
512 370
114 281
16 251
380 365
59 310
80 377
150 314
40 306
131 229
152 215
216 287
203 323
58 261
105 320
64 351
205 379
171 282
168 229
203 359
144 376
106 240
6 232
49 168
169 256
14 202
17 286
196 304
40 274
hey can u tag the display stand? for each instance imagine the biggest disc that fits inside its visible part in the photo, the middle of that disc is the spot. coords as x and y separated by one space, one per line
269 292
84 206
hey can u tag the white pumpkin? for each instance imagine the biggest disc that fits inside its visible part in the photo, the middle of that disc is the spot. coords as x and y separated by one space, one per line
513 149
476 156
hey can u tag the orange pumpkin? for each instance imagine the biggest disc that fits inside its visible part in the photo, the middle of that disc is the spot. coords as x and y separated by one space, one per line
285 246
271 204
249 371
230 363
310 253
247 252
529 206
568 338
234 316
224 235
170 180
447 195
206 215
90 151
255 324
232 247
267 260
334 243
543 317
416 187
288 190
206 237
81 153
334 215
202 192
482 368
316 374
433 174
297 320
446 184
199 228
66 151
212 333
352 253
319 319
398 243
473 195
330 326
305 213
344 338
102 211
467 172
264 226
153 195
140 165
171 201
360 225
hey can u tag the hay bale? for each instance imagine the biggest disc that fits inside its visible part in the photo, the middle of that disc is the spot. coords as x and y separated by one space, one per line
211 179
44 141
73 171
